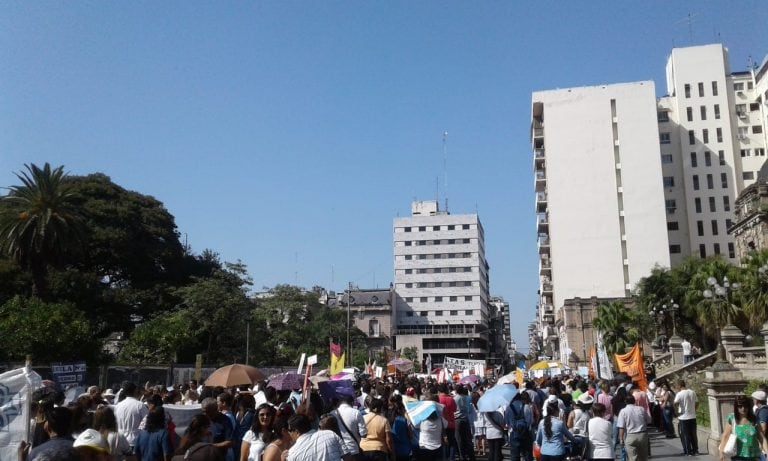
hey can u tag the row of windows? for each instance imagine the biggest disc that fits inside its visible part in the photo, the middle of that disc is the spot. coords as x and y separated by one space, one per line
437 228
712 208
436 242
758 152
439 256
676 249
438 270
707 158
702 112
461 283
700 86
744 131
741 109
437 313
739 86
714 226
704 136
439 299
711 181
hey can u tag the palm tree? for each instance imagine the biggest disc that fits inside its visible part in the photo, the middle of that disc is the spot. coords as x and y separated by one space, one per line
39 225
618 325
754 290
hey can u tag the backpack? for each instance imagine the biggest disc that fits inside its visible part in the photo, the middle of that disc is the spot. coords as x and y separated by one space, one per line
520 426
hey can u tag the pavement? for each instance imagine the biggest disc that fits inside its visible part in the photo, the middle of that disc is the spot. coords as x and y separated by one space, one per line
662 449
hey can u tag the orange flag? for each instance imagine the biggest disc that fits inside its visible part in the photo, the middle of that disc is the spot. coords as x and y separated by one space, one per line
631 363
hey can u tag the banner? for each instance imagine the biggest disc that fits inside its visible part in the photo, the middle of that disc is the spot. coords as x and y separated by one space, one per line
605 371
631 363
16 386
68 374
592 362
453 363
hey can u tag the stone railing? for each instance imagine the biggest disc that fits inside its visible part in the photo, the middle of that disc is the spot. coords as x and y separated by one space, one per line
750 360
669 373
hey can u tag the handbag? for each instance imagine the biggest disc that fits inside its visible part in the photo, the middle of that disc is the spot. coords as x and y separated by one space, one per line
730 445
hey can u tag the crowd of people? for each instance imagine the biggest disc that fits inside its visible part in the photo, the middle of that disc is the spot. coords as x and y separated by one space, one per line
546 419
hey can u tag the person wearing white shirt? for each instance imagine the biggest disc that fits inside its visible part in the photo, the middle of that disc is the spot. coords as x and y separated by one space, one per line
129 414
312 445
687 357
686 401
600 433
351 424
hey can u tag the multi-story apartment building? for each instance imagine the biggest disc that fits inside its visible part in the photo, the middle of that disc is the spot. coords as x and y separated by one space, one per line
625 180
441 283
599 202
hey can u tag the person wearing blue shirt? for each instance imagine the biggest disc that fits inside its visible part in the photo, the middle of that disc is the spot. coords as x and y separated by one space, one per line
551 435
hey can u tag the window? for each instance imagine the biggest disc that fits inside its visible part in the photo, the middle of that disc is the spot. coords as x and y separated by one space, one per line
724 180
422 256
689 113
422 228
750 85
695 182
674 249
664 138
467 298
694 160
408 243
731 251
453 298
705 135
717 248
407 229
701 89
719 132
409 314
739 86
743 132
710 182
712 207
438 299
409 271
703 110
468 312
408 285
662 116
451 284
702 251
421 285
707 158
714 227
700 228
435 228
717 111
728 224
757 129
726 203
697 204
373 328
408 257
759 152
754 106
666 159
744 152
465 226
435 242
671 206
721 156
454 312
439 313
409 300
673 226
687 89
714 88
747 175
423 313
669 181
691 137
466 240
451 227
467 269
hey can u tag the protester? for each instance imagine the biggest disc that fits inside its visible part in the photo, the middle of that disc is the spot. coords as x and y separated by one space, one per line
666 398
686 403
632 422
253 442
105 422
431 432
551 435
520 422
58 421
278 441
600 433
480 425
153 442
750 437
377 444
129 413
91 446
464 413
351 425
312 445
195 444
401 432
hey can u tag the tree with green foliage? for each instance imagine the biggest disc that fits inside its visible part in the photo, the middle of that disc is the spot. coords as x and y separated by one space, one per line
160 339
40 225
50 332
618 325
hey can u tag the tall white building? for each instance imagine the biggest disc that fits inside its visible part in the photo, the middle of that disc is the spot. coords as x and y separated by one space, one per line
601 215
712 136
625 180
441 283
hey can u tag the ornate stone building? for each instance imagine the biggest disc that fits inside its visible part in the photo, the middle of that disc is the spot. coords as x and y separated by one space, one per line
750 226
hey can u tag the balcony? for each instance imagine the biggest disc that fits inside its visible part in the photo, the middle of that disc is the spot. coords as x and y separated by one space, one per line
541 202
543 244
546 288
541 181
545 266
542 223
538 160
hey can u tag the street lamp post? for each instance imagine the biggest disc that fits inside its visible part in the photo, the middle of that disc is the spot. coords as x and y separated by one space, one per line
720 292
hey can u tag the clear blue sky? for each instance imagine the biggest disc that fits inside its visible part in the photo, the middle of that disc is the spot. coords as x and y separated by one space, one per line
289 134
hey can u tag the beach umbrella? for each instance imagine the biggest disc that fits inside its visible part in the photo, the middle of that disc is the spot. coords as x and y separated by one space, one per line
288 381
498 396
420 410
234 375
343 375
546 364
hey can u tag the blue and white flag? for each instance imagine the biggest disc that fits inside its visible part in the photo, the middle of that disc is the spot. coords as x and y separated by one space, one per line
16 387
420 410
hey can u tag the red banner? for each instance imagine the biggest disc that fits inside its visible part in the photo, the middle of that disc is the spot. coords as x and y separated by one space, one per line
631 363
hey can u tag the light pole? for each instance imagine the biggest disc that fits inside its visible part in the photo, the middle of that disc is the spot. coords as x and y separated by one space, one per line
721 293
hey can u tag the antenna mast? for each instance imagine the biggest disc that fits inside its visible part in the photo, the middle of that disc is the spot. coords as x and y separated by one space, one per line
445 168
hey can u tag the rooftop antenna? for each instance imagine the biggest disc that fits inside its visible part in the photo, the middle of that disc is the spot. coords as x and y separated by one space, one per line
445 168
689 20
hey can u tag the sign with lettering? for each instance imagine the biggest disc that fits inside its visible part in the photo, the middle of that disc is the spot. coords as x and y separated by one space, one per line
453 363
68 374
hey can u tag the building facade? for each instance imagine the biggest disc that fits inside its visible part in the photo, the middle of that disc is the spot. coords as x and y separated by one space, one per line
625 181
601 217
441 284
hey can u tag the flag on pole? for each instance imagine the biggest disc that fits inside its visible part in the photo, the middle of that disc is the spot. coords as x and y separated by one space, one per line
604 363
337 359
631 363
16 388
